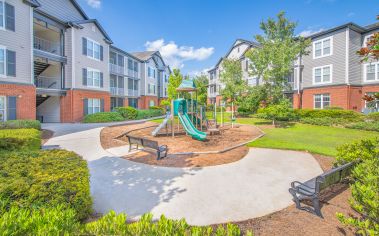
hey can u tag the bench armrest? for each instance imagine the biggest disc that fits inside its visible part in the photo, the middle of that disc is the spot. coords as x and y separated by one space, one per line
296 185
165 146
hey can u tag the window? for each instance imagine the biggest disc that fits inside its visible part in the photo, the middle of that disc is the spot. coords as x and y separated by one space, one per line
135 66
151 72
93 49
2 108
151 88
130 64
247 65
2 15
322 75
132 84
93 105
151 103
371 72
133 102
321 101
322 48
2 61
93 78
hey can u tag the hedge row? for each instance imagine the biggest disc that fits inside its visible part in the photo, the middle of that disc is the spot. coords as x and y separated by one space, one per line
20 124
43 179
102 117
123 113
19 139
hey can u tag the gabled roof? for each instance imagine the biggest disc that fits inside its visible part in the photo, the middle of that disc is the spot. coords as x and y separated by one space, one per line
351 25
372 26
32 3
94 21
124 52
239 42
144 56
35 3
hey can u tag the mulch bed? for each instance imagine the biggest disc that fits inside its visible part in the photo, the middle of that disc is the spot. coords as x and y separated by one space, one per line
46 135
229 137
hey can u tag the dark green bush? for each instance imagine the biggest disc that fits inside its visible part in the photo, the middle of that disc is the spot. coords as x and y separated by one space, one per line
278 112
129 113
348 115
325 121
102 117
40 179
145 114
333 108
20 124
370 126
20 139
372 116
243 112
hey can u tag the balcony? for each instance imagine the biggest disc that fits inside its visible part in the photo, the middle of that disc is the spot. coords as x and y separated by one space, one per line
116 69
46 82
132 73
117 91
47 46
133 93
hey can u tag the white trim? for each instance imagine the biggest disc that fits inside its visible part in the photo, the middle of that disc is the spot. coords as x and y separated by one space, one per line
5 61
298 74
5 108
73 81
376 71
31 46
322 47
3 3
93 49
93 99
322 74
347 56
322 99
89 69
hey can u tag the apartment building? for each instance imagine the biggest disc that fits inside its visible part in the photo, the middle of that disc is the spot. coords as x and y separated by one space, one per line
154 78
331 75
236 52
58 65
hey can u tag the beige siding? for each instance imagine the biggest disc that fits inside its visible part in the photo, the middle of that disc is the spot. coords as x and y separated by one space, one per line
20 41
61 9
81 61
337 59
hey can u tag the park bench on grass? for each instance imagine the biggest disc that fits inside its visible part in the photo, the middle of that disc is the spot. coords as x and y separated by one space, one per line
161 151
310 190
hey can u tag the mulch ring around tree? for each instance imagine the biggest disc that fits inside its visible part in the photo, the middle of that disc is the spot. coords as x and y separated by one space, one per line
181 143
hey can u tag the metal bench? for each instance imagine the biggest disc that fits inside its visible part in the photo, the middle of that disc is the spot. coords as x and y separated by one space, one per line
163 149
310 190
134 141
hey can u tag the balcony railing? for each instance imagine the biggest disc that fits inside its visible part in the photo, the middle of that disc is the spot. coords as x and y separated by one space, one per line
47 46
48 82
117 91
132 73
133 93
116 69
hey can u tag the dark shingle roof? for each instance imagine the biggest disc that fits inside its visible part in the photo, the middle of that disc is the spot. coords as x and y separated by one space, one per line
98 26
144 56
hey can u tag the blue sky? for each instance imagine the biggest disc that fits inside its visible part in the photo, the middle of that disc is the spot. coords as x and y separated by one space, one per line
194 34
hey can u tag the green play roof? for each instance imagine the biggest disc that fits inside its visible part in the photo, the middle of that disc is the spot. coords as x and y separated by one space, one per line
187 86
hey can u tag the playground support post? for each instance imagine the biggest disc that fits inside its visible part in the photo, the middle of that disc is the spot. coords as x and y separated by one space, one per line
172 118
222 118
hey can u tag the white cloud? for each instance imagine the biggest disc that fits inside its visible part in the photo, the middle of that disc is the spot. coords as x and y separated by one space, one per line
310 31
94 3
175 55
350 14
195 73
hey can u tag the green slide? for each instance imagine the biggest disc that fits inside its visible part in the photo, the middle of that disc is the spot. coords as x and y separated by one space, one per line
190 128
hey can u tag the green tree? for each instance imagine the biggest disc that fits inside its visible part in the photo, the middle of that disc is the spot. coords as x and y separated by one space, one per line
278 112
273 60
201 83
174 81
231 76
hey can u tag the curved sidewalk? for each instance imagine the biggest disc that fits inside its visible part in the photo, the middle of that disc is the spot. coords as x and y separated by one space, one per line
254 186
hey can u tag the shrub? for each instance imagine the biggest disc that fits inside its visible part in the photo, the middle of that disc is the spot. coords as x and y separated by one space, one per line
325 121
145 114
278 112
348 115
365 188
243 112
49 221
334 108
20 139
20 124
40 179
129 113
102 117
372 116
370 126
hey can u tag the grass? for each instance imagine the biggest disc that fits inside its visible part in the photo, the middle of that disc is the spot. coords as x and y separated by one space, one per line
315 139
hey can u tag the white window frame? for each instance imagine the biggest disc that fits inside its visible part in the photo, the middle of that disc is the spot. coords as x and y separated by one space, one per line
376 71
91 109
93 49
322 74
322 100
150 85
322 47
93 71
151 71
4 118
5 61
151 101
3 14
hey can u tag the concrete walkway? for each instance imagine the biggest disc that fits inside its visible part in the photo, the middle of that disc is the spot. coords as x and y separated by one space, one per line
254 186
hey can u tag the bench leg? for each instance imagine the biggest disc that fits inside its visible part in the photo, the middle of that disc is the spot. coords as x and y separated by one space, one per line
316 206
130 147
158 155
295 198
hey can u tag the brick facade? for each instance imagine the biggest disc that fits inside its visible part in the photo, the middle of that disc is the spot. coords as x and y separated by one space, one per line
72 109
25 101
144 101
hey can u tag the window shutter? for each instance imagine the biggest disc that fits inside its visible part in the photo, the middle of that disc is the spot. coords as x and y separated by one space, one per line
84 46
101 80
9 17
101 105
101 53
85 106
84 76
11 108
11 63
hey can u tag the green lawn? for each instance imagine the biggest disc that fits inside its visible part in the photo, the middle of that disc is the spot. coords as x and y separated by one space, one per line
315 139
